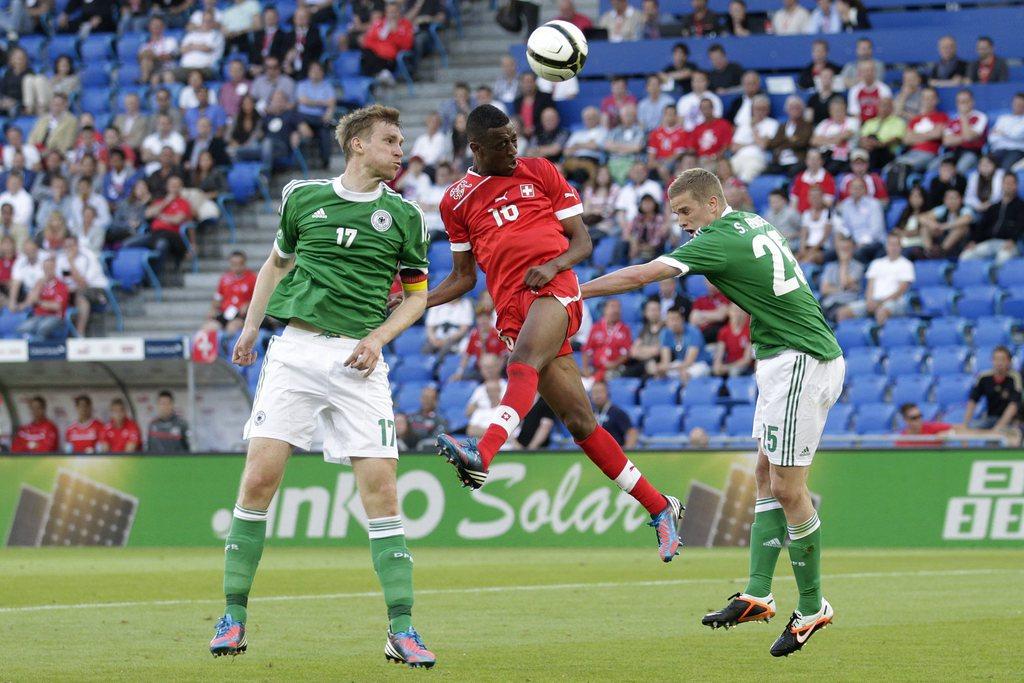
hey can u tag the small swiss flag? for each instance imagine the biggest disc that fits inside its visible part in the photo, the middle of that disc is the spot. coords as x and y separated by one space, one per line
526 190
204 346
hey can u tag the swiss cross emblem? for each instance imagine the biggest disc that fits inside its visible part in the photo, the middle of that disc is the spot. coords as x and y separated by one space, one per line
506 415
526 190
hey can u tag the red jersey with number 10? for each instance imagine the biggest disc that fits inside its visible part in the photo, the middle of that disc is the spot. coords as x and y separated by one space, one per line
511 223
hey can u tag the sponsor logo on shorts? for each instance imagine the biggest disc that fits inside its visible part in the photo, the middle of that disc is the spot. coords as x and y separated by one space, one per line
260 418
381 220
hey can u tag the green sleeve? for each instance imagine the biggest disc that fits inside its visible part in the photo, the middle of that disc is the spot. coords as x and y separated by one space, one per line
288 228
417 239
704 254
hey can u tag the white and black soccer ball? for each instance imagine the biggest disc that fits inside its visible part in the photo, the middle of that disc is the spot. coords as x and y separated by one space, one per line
556 51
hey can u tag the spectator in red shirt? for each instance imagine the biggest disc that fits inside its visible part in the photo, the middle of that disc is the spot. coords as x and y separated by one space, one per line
916 425
923 137
84 435
709 313
615 101
733 353
607 348
121 434
8 254
483 338
873 183
381 44
49 299
814 175
231 300
38 436
667 143
166 216
965 135
711 138
567 12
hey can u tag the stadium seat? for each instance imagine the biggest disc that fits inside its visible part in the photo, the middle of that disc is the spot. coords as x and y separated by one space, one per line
663 420
244 181
622 390
906 360
636 414
97 48
95 75
993 330
892 214
695 286
456 394
864 360
410 343
911 389
94 100
604 253
742 389
900 332
357 90
9 322
701 391
414 369
128 47
954 413
946 331
838 421
739 421
440 256
632 307
972 273
855 333
34 46
761 186
24 123
929 411
1011 274
949 360
658 394
931 273
448 367
62 44
869 389
979 301
347 64
937 300
875 418
131 267
1014 307
952 389
707 417
407 399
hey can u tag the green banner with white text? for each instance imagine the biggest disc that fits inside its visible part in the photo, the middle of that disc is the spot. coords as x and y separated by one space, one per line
865 499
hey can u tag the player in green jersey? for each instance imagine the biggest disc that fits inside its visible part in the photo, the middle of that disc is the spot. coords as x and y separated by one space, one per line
340 244
800 372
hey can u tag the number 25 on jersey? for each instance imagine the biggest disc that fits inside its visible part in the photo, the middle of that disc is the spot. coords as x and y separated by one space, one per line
774 244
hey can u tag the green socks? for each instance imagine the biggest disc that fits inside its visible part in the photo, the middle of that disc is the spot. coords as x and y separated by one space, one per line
767 534
805 555
393 564
242 550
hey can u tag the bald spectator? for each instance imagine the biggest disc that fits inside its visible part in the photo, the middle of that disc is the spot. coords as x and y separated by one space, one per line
622 22
549 141
792 138
306 46
949 71
56 130
158 52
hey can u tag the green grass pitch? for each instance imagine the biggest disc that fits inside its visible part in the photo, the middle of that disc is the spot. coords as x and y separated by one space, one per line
531 615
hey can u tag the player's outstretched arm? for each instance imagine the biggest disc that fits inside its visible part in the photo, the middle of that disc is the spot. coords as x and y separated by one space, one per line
627 279
460 281
366 355
271 273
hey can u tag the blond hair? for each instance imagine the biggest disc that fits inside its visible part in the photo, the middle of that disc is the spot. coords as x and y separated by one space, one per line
360 122
702 185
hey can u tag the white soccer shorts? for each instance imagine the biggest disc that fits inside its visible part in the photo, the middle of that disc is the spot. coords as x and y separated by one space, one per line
304 379
794 394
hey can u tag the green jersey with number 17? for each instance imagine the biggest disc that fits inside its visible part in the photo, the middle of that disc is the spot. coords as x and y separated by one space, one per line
751 263
347 248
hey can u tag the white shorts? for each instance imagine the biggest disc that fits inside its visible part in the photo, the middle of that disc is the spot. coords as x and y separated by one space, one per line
794 394
304 378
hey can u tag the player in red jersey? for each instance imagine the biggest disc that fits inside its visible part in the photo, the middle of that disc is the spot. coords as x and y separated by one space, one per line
38 436
84 436
520 220
121 434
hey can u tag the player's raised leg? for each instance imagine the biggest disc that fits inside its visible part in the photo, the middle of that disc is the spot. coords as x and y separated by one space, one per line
243 547
375 479
562 388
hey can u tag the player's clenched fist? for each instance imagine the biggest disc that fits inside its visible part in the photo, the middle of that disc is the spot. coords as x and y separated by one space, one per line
538 276
365 356
244 353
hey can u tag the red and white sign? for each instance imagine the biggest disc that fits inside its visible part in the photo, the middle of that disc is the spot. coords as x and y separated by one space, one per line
13 350
204 346
106 349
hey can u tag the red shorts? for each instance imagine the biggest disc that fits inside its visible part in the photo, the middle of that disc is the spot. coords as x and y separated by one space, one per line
513 309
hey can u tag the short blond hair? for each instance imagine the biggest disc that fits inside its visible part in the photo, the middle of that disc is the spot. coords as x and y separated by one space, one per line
360 122
702 185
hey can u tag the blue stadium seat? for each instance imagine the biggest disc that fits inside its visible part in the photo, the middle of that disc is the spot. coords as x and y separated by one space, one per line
128 47
357 89
855 333
839 417
622 390
97 48
892 214
946 331
971 273
604 253
954 413
632 307
130 268
440 256
864 360
1014 307
129 74
663 420
993 330
410 343
34 46
25 124
761 186
95 75
949 360
952 389
9 322
875 418
932 273
708 418
742 389
701 391
695 286
978 301
584 273
456 395
1011 274
658 394
414 369
867 389
347 64
911 389
900 332
906 360
447 367
739 422
244 181
929 411
937 300
407 399
62 44
636 414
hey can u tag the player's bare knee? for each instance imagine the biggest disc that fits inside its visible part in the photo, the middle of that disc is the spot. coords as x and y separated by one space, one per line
763 473
258 487
525 355
580 424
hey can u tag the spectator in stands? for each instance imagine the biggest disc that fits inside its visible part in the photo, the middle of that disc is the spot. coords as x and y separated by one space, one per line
19 199
681 347
791 20
234 88
16 143
22 92
85 434
907 102
1001 389
82 273
841 279
121 434
165 107
414 182
607 348
724 76
447 326
689 104
645 354
315 98
57 130
652 19
600 197
701 22
853 15
613 418
676 76
530 103
652 107
25 273
486 397
270 83
231 300
750 142
205 141
923 137
386 37
271 40
112 140
949 70
534 432
306 48
873 183
549 140
130 216
648 232
836 136
825 19
739 111
865 95
201 48
863 221
8 255
817 225
984 186
24 17
1000 227
783 217
824 93
619 97
792 138
627 203
206 184
740 24
238 21
207 109
485 95
908 225
483 339
460 103
166 216
157 54
165 137
247 129
810 74
881 136
433 145
49 302
567 12
813 175
9 227
709 313
736 194
38 436
712 137
667 143
888 280
426 423
280 134
167 167
946 226
916 425
167 433
733 352
584 148
622 22
133 123
669 297
1006 141
625 143
51 237
506 86
987 68
64 79
865 53
85 195
964 136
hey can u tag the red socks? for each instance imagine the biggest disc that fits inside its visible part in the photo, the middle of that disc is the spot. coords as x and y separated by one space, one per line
605 452
517 401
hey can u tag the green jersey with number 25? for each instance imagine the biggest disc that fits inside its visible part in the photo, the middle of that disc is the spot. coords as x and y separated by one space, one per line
749 260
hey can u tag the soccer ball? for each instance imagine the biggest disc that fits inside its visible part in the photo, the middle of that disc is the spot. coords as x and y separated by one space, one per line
556 51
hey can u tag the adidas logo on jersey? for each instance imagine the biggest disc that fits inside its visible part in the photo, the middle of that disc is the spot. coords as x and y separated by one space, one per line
805 451
772 543
320 213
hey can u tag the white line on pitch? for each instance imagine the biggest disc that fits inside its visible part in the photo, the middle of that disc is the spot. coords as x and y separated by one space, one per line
503 589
